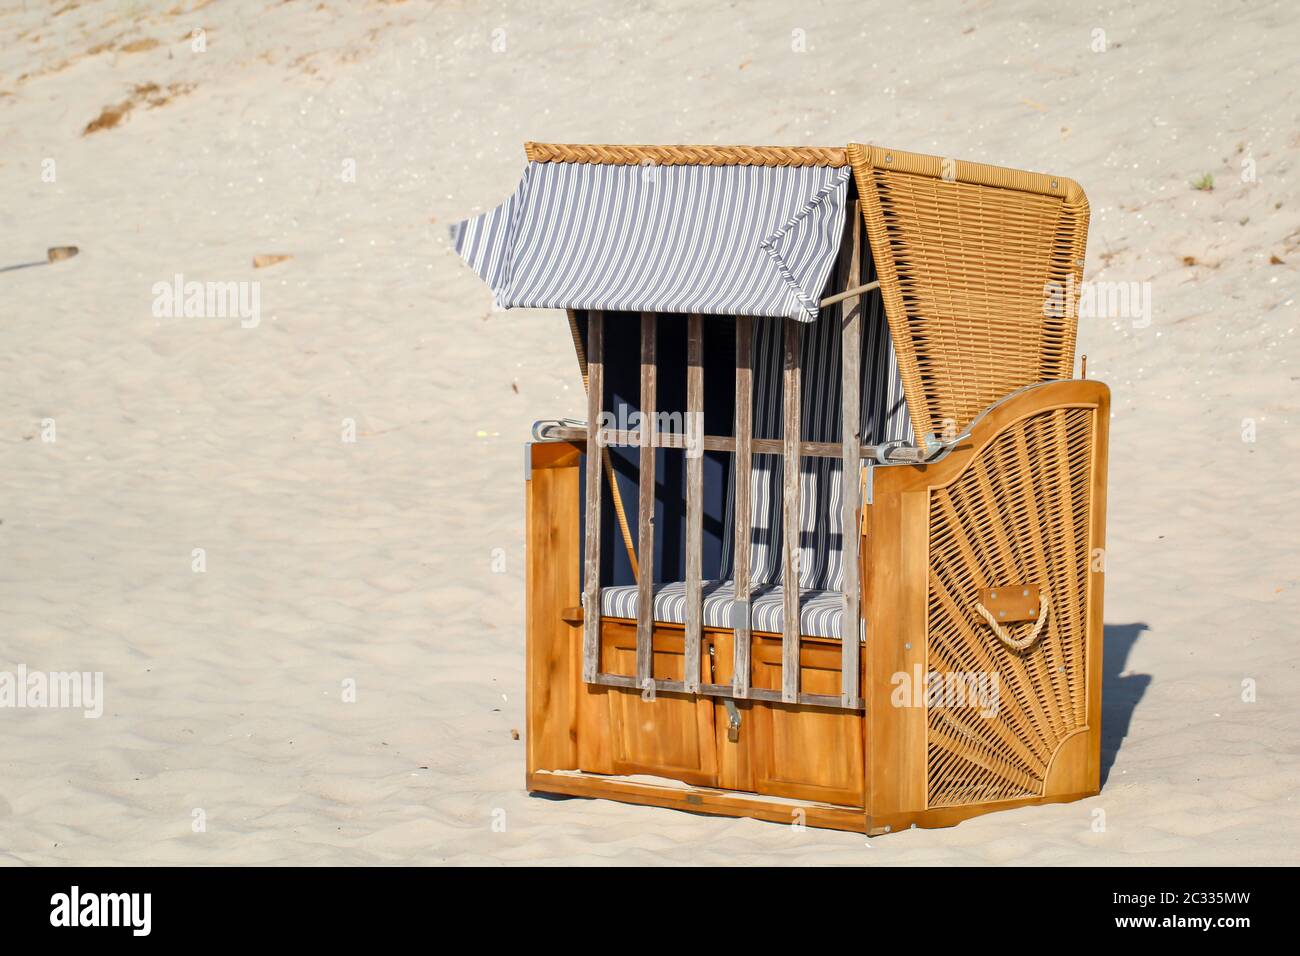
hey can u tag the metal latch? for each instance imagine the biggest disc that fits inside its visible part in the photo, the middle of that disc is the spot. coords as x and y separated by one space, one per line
733 720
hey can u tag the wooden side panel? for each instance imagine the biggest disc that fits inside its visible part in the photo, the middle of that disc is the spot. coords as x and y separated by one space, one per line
1096 585
552 583
894 604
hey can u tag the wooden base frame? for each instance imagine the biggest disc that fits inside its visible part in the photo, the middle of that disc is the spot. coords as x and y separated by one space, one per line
710 800
730 803
891 766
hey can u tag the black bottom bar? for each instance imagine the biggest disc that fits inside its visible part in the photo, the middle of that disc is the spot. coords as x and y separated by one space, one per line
342 906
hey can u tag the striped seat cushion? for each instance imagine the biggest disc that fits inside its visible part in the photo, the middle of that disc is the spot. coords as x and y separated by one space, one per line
820 612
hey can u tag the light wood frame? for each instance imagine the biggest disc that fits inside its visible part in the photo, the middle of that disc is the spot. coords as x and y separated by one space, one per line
569 727
821 740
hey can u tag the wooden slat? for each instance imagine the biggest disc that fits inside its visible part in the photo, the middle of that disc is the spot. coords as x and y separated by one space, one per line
849 293
720 690
645 539
744 466
615 497
553 576
851 436
591 551
697 799
614 438
790 411
694 500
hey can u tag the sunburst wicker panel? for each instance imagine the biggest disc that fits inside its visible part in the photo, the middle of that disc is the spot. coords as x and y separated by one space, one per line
1019 515
965 254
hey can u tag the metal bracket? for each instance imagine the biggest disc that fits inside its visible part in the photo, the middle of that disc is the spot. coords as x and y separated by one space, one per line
542 429
933 450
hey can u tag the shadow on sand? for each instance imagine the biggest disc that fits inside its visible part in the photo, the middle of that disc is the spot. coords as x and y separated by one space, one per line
1120 692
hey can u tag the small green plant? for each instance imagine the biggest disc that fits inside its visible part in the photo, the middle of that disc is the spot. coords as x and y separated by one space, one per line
1205 183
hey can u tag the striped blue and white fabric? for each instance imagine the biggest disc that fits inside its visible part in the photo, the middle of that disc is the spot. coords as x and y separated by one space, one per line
821 555
720 240
820 612
884 417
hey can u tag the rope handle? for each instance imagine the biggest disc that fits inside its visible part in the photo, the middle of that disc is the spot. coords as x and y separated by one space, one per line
1007 639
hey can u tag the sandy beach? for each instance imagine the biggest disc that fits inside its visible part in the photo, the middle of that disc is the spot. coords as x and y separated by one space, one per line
291 538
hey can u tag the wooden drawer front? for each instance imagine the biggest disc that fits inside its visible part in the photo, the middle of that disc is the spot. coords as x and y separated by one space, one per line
810 753
670 736
807 753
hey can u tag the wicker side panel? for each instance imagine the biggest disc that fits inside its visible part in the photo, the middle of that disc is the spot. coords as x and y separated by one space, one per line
1019 515
967 255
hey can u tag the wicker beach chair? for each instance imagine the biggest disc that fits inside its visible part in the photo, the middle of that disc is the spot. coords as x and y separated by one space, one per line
830 544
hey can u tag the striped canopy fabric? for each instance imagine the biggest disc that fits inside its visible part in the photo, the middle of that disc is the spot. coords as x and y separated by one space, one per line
720 240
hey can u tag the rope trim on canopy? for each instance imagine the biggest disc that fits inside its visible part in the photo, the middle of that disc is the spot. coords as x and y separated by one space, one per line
686 155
